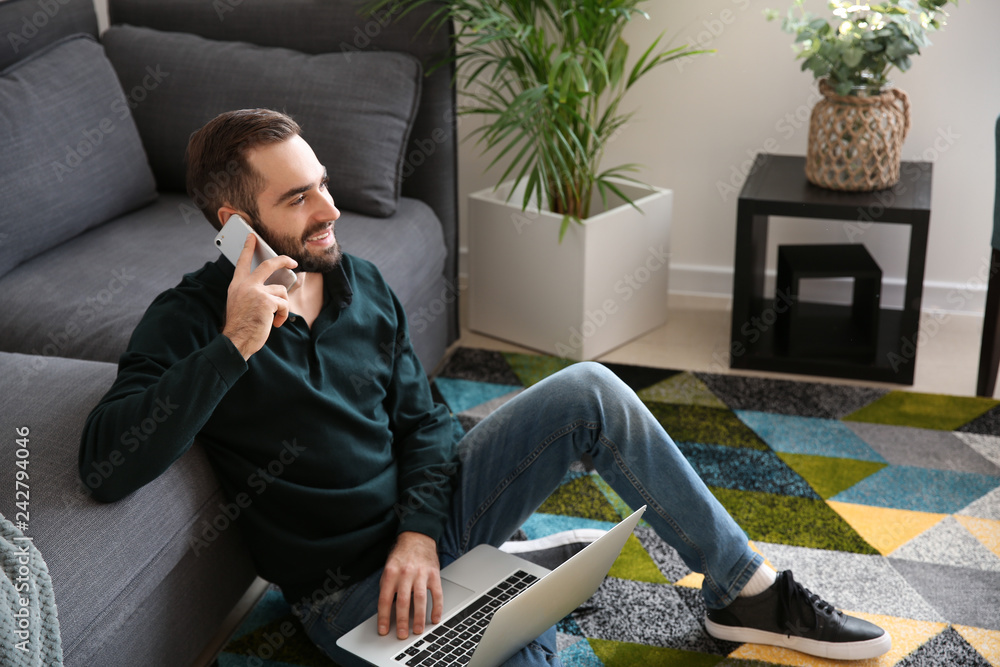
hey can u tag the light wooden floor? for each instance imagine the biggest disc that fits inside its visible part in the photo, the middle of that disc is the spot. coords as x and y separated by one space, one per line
696 337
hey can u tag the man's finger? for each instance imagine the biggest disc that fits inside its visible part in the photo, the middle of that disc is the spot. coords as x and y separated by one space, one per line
437 597
403 592
281 312
419 608
387 591
245 259
269 266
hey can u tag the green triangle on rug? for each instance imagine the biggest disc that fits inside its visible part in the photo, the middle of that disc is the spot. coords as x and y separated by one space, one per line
932 411
684 389
580 497
613 653
705 425
634 563
829 476
802 522
531 369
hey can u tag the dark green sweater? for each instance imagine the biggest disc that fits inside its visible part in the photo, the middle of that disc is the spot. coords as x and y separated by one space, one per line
327 442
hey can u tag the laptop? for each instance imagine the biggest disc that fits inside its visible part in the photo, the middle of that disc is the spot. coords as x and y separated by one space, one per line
495 604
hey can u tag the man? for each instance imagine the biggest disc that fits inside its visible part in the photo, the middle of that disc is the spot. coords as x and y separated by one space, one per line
376 492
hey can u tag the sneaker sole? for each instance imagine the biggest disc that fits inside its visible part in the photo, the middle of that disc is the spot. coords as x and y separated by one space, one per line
870 648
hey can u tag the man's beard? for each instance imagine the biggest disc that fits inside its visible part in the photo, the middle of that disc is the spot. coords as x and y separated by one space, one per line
296 248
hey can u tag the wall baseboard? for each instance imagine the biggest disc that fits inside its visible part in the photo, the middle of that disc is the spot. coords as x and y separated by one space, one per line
967 299
717 282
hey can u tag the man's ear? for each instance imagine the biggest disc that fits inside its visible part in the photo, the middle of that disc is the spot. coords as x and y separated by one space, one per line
225 212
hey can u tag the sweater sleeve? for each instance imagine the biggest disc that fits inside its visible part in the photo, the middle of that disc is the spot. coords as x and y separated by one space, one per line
424 442
169 382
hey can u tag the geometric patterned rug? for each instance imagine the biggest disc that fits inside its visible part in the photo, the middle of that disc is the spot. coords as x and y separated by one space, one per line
885 503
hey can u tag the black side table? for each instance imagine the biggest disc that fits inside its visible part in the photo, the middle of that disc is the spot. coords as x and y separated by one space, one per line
777 186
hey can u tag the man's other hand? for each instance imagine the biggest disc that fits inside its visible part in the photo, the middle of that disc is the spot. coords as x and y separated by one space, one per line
251 306
410 571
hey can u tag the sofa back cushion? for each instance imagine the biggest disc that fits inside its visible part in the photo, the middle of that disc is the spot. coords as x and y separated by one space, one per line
355 109
27 26
72 158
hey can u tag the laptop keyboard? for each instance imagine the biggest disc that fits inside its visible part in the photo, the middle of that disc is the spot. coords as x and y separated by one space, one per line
453 642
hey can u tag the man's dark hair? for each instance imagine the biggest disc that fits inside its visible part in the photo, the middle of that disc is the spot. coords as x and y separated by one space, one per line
218 173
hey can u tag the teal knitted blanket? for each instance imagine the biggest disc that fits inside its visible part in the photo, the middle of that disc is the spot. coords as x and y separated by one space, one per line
29 627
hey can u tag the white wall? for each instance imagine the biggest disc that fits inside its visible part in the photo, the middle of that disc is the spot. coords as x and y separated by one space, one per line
101 6
698 124
700 121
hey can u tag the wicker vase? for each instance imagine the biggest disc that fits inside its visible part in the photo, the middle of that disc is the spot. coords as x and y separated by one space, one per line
855 141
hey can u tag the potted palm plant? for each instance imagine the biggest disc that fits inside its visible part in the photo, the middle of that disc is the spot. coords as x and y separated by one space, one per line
564 257
856 131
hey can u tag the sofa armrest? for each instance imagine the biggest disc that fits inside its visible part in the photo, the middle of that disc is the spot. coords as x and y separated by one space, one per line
110 561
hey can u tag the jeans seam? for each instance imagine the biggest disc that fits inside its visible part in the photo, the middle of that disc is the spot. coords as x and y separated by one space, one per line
741 581
659 510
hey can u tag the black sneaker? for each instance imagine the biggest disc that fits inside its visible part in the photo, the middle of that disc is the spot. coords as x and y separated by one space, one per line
788 615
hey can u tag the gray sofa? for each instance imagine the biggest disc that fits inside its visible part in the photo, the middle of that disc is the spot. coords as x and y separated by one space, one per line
94 223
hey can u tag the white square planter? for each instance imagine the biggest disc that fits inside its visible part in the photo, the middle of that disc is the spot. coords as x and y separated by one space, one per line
604 285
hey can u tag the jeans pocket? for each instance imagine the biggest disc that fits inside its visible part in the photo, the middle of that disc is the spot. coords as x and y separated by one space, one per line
306 613
309 613
318 619
355 605
331 613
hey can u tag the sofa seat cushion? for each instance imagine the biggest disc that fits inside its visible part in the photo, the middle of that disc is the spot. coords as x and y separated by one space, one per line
72 158
355 109
104 559
82 299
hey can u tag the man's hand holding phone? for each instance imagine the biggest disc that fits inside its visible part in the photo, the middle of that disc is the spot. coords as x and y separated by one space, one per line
252 307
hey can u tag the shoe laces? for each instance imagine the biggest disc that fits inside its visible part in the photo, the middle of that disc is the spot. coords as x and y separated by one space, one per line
796 599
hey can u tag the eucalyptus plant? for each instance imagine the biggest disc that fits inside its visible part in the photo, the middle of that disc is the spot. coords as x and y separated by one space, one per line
865 40
549 76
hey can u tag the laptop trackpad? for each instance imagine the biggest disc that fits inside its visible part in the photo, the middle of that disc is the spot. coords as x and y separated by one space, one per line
455 595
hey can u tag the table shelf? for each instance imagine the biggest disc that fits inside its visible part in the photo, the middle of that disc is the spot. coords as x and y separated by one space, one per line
893 353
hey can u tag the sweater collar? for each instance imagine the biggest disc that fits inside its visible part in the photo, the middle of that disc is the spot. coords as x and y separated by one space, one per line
337 286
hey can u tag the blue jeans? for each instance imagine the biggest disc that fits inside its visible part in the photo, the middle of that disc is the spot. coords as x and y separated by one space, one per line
515 458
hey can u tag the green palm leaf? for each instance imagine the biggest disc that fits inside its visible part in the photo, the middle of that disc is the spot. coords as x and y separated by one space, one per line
548 77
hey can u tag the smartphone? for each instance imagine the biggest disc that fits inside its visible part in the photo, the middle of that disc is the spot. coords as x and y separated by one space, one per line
231 240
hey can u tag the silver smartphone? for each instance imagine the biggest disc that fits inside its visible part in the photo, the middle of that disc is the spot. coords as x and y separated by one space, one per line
230 241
